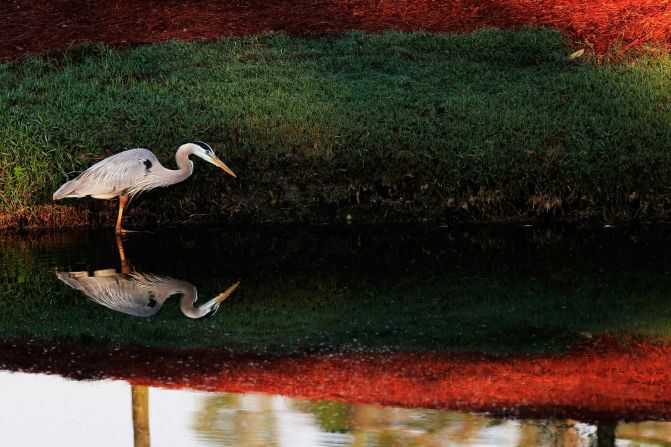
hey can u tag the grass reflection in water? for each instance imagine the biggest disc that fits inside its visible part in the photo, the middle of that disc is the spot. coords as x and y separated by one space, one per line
310 289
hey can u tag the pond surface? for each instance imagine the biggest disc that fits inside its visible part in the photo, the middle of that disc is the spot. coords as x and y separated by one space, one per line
114 413
337 336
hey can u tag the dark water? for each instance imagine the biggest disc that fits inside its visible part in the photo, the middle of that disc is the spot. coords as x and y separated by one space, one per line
338 336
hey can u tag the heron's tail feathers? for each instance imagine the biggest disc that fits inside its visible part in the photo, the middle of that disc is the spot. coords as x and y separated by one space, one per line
68 190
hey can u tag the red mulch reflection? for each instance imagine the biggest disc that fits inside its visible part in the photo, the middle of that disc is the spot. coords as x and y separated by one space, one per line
34 26
605 381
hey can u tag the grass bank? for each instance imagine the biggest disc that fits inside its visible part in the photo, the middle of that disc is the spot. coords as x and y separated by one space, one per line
489 126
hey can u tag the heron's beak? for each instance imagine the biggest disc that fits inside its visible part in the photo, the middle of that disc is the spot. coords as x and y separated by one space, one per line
215 161
221 297
212 305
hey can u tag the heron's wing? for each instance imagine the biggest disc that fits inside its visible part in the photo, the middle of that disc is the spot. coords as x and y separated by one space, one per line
133 294
112 176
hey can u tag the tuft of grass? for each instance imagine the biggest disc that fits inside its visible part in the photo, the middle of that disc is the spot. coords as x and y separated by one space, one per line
492 125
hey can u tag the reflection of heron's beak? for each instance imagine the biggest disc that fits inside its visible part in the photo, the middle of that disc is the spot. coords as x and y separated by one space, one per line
213 304
211 307
215 161
221 297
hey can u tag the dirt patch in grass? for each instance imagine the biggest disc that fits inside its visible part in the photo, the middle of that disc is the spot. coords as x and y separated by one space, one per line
45 216
604 26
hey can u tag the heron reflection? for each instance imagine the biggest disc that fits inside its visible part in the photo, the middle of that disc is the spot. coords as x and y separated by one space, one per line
140 294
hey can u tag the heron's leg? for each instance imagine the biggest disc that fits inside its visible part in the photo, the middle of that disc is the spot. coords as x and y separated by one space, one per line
125 268
123 199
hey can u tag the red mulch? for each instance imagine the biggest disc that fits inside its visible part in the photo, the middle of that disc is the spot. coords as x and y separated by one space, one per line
29 26
605 381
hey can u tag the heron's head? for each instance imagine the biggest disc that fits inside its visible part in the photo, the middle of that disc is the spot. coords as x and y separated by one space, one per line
204 151
207 309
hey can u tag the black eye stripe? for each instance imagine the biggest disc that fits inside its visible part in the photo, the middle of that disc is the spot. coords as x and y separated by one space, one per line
203 145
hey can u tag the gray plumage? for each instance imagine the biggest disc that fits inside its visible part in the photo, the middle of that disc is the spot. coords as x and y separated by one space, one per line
131 172
128 172
139 294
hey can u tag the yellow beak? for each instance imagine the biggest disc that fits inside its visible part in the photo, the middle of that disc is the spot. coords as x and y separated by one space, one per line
221 297
215 161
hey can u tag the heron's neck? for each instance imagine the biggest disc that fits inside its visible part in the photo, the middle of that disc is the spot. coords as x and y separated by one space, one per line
189 296
184 165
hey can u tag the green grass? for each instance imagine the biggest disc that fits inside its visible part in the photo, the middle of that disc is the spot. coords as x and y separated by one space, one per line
334 290
493 125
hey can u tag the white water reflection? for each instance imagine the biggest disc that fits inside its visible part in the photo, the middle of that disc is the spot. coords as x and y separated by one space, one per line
42 410
38 409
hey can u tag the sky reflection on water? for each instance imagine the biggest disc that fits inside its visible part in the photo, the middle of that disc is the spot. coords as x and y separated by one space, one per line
38 409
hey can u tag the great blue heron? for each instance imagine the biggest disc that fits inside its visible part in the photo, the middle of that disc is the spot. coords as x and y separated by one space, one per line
140 294
133 171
